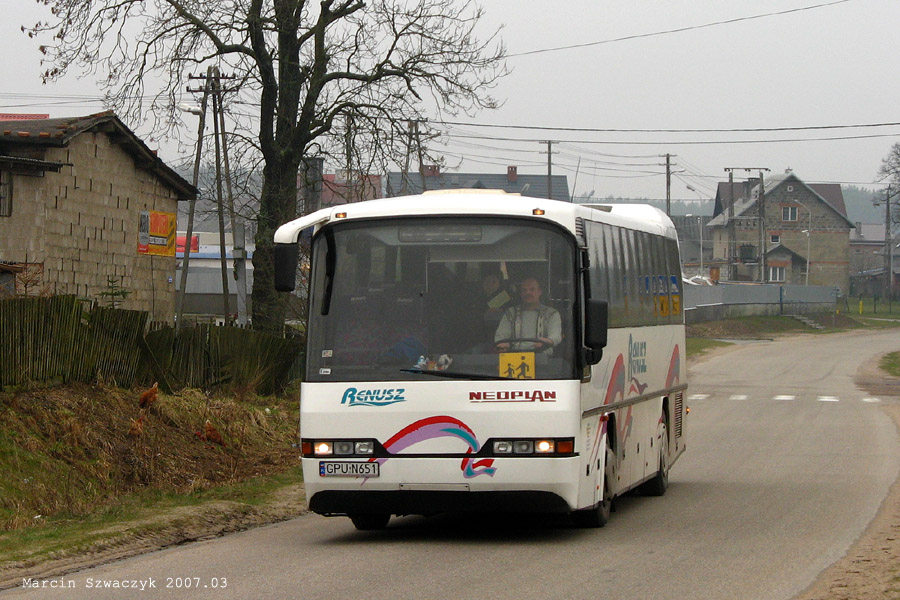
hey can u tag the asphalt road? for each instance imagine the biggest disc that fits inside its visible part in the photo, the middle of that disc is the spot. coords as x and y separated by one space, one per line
787 463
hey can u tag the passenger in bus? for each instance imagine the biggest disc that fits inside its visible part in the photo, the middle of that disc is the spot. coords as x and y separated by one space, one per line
530 320
495 297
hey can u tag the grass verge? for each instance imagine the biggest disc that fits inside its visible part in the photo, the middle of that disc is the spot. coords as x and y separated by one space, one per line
77 476
890 363
700 346
143 514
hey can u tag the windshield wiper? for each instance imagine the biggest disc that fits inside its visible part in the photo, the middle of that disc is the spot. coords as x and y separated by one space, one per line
458 375
330 262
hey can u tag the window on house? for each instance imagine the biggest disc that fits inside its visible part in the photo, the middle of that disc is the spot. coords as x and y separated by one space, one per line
788 213
775 239
748 253
776 274
5 194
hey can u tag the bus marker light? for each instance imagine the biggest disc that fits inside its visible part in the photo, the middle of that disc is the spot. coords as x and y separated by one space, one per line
365 447
523 447
343 447
323 448
503 447
565 447
545 447
538 211
306 448
340 215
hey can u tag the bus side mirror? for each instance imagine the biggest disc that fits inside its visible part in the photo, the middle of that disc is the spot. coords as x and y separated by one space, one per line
286 258
596 324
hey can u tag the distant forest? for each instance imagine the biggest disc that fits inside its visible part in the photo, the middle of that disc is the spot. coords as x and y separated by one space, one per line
859 205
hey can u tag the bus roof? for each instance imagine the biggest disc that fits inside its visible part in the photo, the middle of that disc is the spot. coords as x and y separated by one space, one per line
641 217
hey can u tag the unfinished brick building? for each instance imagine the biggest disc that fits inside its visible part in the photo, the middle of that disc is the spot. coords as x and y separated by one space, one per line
79 198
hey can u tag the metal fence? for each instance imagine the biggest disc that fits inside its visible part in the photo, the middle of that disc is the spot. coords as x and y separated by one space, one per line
711 302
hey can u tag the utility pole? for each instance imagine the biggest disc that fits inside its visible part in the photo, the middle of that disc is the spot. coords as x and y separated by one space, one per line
763 274
761 210
549 167
730 249
219 203
238 247
213 86
888 275
415 125
669 165
179 309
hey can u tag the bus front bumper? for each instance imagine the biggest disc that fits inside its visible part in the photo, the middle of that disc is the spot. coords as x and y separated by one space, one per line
435 485
427 502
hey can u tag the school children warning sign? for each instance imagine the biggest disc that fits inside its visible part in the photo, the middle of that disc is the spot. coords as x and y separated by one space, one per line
156 233
517 365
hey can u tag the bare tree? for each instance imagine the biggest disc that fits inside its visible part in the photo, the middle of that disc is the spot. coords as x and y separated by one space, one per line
890 171
303 67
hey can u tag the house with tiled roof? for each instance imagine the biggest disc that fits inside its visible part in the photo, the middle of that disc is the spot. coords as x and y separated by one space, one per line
431 178
805 232
87 208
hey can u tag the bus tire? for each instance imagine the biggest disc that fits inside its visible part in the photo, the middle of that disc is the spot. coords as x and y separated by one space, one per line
598 516
370 521
660 482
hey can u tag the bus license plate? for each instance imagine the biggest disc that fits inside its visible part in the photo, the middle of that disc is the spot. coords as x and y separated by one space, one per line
348 469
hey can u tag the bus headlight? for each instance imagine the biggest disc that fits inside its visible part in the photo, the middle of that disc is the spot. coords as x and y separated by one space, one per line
503 447
533 447
365 448
343 448
312 448
523 446
545 447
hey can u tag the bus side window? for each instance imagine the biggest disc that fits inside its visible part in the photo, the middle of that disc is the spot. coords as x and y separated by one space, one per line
661 293
616 277
632 298
674 270
599 273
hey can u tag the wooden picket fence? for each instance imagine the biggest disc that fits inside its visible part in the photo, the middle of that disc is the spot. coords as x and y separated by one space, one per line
206 356
63 338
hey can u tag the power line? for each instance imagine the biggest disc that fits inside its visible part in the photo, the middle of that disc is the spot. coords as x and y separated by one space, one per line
678 30
712 130
685 142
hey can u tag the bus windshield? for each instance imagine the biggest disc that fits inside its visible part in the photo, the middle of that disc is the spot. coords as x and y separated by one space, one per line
427 297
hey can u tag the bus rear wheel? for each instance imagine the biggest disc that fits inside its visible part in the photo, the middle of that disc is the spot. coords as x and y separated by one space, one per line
370 521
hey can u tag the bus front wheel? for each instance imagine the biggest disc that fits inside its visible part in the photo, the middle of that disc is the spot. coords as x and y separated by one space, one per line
369 521
660 482
598 516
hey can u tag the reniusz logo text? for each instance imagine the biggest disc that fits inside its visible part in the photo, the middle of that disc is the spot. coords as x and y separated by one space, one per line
355 397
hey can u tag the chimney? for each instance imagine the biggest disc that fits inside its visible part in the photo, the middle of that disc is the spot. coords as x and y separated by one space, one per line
512 174
431 170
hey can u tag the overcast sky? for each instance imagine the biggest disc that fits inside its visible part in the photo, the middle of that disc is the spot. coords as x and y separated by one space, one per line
834 65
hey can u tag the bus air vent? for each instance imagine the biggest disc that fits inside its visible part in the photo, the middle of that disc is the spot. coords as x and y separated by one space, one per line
579 232
679 412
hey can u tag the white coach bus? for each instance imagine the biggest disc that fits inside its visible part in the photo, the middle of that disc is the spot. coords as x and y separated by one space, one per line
556 392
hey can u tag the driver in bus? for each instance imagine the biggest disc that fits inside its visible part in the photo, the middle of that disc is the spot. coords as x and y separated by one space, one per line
529 325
